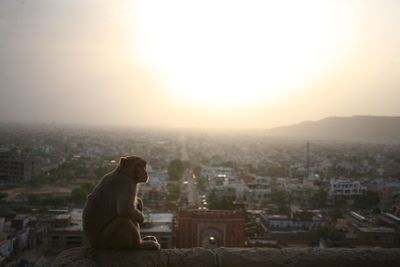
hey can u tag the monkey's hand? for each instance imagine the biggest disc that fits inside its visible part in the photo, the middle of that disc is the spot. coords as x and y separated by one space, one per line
129 211
137 216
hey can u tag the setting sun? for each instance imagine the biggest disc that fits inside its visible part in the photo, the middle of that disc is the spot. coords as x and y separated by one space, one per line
238 53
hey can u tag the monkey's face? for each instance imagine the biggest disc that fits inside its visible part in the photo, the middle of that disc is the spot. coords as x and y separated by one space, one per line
135 167
140 171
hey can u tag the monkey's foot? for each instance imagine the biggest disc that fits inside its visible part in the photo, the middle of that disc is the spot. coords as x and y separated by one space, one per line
150 245
151 238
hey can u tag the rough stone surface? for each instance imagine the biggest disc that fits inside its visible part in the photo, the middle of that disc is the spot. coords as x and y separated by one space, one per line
198 257
308 257
88 257
76 257
231 257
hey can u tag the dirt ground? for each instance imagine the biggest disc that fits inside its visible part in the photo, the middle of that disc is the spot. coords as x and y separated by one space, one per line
19 193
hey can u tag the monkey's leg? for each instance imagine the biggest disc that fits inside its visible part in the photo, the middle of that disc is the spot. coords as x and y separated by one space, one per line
149 244
123 233
120 233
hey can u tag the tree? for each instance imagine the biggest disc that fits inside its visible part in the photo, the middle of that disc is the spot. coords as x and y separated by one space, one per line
324 232
33 199
54 201
281 199
216 159
88 186
228 164
368 200
201 183
319 199
220 203
276 171
78 195
328 234
39 179
3 195
174 191
197 171
186 164
175 170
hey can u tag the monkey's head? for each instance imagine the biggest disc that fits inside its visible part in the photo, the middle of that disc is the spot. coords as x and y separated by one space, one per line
135 167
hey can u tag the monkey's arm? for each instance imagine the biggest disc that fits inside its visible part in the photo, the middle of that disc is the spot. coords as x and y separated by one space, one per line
137 216
139 204
125 207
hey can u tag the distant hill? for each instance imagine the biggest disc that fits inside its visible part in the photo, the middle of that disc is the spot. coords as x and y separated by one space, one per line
375 129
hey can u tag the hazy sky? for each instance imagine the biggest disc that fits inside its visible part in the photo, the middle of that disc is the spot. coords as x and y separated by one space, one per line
241 64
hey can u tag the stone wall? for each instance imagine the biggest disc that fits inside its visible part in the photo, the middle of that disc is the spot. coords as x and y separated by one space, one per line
231 257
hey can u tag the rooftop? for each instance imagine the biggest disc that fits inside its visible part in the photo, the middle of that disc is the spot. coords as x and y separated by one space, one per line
376 229
160 217
163 228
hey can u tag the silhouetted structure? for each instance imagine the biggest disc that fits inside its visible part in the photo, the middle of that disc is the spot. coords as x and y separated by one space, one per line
308 159
211 228
16 168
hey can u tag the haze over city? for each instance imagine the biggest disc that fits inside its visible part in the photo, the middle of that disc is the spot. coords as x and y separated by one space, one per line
234 64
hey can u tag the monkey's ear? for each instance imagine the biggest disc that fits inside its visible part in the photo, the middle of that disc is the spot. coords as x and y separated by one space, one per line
123 161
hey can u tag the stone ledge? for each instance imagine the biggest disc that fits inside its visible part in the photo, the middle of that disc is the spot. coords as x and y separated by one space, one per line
231 257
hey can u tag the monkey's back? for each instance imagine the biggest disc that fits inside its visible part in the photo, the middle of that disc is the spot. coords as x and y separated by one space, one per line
101 204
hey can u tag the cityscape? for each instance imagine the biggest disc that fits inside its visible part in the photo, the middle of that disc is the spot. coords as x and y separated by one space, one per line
206 189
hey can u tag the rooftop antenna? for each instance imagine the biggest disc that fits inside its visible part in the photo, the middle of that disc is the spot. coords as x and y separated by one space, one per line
308 159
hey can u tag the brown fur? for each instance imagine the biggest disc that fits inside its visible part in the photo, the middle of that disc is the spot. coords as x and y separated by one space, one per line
113 212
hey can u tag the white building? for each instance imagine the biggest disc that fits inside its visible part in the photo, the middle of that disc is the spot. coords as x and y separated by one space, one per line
6 247
259 192
307 221
346 187
210 172
258 198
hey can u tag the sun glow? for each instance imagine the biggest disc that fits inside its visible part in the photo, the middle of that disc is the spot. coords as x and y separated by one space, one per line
238 53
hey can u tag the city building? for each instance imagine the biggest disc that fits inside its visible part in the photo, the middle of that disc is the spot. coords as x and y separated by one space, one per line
7 213
259 192
15 168
296 229
390 220
67 231
210 228
6 247
345 187
301 220
258 198
20 222
377 237
210 172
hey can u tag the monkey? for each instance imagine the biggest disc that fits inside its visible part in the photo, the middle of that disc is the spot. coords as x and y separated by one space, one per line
113 212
